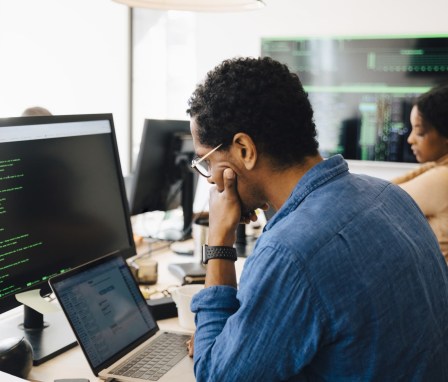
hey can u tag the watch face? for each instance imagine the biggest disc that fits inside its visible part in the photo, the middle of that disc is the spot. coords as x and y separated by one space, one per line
204 255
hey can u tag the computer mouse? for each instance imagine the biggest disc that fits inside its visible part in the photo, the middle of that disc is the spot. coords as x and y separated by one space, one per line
16 356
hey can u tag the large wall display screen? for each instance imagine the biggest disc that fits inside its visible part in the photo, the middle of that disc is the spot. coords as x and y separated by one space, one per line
362 88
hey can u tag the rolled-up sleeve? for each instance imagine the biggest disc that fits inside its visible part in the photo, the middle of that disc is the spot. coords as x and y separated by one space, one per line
214 305
238 333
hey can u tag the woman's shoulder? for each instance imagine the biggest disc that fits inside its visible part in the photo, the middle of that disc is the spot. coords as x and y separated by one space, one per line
439 170
435 178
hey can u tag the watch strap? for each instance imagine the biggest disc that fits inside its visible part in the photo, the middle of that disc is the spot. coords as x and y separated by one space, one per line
218 252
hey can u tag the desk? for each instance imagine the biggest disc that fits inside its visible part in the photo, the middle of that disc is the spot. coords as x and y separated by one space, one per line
72 363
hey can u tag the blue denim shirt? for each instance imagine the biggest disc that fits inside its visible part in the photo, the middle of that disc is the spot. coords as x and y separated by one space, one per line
346 283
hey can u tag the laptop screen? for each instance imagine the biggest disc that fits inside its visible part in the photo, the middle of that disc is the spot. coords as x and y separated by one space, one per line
105 308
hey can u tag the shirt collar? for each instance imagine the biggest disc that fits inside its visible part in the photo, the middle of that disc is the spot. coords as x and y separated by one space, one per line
314 178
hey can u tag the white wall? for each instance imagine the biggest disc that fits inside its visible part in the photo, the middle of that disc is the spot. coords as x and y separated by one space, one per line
208 38
220 36
69 56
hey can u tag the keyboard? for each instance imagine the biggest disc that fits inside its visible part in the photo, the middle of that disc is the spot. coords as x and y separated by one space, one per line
156 359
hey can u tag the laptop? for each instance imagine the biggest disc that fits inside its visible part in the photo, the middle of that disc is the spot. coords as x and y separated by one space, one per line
115 327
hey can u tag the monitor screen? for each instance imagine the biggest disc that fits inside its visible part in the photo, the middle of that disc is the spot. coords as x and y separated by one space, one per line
62 199
163 179
362 88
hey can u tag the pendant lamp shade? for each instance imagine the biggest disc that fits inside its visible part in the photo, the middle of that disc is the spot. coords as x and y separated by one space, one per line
196 5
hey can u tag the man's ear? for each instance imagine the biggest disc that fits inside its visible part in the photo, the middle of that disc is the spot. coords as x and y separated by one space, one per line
244 150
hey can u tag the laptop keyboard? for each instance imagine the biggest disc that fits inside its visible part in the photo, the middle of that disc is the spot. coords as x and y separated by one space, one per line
156 359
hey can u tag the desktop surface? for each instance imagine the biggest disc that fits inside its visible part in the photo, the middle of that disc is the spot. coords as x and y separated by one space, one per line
73 364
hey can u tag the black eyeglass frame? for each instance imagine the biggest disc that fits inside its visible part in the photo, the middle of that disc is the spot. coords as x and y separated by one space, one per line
195 163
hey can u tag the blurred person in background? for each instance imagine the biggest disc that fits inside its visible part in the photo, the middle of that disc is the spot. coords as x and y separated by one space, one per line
428 184
35 111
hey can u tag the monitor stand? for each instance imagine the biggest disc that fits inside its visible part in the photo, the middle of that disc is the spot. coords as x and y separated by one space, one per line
194 272
187 197
48 338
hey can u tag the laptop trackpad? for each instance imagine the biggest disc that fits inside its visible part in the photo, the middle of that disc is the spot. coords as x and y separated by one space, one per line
182 372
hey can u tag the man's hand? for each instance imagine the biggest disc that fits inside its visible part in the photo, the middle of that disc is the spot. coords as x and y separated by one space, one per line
190 346
224 217
252 215
225 211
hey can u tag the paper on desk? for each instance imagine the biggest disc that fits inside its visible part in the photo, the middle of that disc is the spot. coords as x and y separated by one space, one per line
33 299
4 377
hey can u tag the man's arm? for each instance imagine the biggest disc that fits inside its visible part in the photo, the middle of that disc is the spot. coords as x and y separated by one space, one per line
224 217
262 333
268 330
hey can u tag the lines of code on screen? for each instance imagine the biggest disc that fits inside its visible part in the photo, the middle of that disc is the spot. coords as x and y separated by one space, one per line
60 206
362 89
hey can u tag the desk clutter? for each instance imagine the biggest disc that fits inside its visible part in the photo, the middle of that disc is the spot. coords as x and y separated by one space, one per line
162 308
171 302
160 301
145 269
182 297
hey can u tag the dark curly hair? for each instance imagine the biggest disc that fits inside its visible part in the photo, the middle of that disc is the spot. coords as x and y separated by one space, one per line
259 97
433 106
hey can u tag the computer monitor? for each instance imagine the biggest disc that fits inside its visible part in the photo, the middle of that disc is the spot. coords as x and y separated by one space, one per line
362 88
62 204
163 179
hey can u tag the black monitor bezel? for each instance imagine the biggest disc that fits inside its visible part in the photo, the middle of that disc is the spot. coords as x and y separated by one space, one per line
144 195
114 358
9 302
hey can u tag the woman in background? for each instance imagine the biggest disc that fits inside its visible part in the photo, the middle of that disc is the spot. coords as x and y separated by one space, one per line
428 184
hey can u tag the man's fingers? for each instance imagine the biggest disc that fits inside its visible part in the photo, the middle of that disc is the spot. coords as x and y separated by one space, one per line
190 346
265 207
229 178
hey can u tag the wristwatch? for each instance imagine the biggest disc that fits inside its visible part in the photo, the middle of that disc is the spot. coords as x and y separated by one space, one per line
215 252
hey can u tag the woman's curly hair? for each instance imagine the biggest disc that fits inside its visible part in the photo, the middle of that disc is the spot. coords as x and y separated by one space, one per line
433 106
262 98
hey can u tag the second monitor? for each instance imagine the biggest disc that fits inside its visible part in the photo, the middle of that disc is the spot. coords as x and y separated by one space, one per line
162 179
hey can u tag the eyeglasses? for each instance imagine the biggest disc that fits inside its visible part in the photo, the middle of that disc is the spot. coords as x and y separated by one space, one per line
202 167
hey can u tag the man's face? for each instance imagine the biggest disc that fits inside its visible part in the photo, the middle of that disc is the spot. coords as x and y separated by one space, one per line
217 162
426 142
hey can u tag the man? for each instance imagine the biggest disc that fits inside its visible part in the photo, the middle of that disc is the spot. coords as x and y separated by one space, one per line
346 283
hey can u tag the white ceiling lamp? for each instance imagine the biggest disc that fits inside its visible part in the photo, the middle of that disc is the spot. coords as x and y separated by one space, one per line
196 5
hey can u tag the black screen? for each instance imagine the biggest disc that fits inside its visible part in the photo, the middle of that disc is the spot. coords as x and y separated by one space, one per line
62 200
105 308
163 179
157 175
362 89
